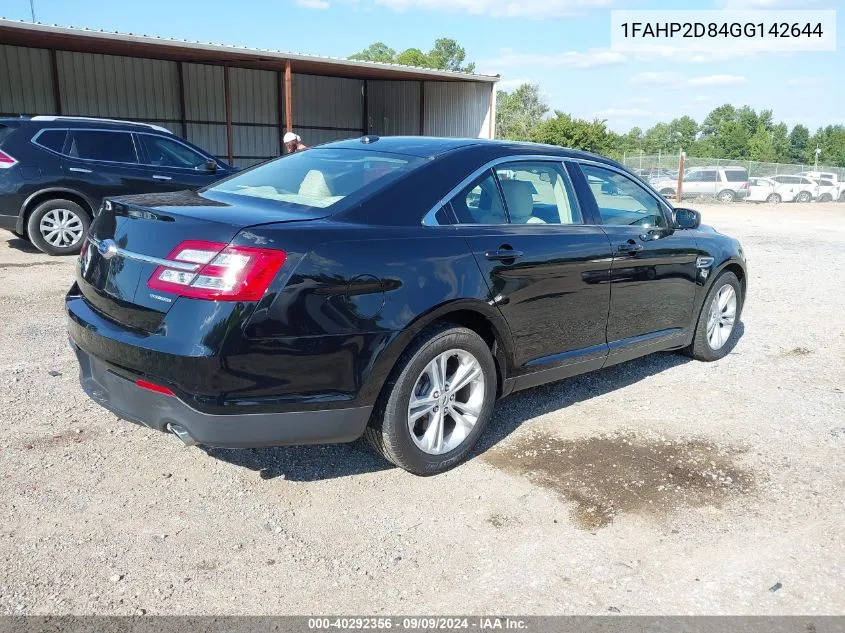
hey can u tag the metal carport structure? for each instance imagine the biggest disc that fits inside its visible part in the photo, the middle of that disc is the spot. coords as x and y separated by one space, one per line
234 102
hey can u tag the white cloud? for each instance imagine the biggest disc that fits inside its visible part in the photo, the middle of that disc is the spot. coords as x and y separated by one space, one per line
512 84
313 4
497 8
640 100
716 80
701 98
652 77
571 59
805 81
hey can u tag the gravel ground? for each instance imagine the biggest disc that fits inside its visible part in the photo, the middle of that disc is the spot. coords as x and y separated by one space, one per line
661 486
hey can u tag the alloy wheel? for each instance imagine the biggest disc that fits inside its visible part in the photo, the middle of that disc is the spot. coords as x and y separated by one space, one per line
721 317
446 401
61 228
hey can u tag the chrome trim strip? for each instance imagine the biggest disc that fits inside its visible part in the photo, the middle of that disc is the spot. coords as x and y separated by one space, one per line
147 259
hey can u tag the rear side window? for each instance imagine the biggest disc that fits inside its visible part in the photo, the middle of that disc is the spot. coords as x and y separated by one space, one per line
826 183
319 178
538 193
480 202
115 147
166 152
736 175
51 139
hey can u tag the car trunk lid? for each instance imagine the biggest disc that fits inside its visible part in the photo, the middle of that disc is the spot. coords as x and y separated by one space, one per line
132 236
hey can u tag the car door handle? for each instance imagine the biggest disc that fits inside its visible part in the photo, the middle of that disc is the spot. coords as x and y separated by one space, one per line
157 177
503 254
80 170
629 247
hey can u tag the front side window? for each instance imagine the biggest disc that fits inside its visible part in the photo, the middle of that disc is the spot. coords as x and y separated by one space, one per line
480 202
115 147
319 178
165 152
538 193
621 201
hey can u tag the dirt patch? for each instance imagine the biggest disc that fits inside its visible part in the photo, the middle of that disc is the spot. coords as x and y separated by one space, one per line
798 351
65 438
609 475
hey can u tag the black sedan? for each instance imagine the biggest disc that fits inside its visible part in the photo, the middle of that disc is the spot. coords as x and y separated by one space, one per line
393 287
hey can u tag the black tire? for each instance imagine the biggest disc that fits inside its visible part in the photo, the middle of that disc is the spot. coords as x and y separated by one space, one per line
700 348
726 195
58 205
388 431
826 197
803 197
667 193
22 236
774 198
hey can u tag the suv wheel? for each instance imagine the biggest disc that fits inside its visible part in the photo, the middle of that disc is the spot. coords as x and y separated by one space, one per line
726 196
774 198
57 227
434 411
667 192
804 196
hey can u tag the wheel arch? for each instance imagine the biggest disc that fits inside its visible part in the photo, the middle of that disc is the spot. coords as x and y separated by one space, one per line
476 315
53 193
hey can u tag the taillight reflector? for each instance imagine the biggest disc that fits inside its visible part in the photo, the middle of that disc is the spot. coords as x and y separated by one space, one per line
151 386
222 273
6 161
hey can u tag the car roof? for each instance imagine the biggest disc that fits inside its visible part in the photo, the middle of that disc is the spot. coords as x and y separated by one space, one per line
83 122
432 146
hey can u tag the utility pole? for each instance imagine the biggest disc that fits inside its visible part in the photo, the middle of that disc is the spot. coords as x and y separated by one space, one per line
681 157
817 152
32 9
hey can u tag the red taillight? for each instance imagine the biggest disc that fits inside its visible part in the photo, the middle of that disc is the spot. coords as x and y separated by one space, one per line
744 185
6 161
222 273
151 386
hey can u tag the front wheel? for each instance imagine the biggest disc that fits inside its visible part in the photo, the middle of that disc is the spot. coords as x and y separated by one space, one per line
826 197
56 227
726 196
716 332
804 196
433 412
774 198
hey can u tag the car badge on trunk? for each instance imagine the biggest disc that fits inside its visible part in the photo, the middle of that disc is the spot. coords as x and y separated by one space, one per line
107 249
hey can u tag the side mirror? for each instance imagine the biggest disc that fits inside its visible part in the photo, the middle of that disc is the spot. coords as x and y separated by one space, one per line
211 165
687 219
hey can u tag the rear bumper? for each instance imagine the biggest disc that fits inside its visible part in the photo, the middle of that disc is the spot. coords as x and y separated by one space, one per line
162 412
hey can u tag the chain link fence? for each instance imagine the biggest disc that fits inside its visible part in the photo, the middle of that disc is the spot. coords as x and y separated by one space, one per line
660 163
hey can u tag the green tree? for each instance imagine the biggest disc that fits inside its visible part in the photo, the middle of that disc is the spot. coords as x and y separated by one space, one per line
681 133
447 54
799 141
566 131
761 145
717 116
377 52
413 57
831 141
519 112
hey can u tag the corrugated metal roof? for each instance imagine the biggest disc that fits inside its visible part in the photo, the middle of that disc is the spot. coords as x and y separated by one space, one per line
8 26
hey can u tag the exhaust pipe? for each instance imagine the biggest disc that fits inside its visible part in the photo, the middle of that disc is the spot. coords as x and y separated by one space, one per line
182 433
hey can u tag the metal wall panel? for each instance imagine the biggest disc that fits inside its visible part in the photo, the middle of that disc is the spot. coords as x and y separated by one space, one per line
456 109
327 102
26 83
254 141
212 138
118 87
317 137
205 99
393 107
255 96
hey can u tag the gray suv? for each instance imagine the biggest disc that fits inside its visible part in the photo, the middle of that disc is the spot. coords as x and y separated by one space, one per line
723 183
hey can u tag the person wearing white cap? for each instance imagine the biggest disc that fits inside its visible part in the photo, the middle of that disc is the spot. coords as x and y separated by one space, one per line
293 143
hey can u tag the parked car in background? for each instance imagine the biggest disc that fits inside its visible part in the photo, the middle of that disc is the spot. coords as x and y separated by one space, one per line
826 190
55 171
825 180
392 287
723 183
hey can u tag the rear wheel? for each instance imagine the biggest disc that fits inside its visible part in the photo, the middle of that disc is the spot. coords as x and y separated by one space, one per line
804 196
667 193
826 197
726 196
57 227
774 198
434 410
716 332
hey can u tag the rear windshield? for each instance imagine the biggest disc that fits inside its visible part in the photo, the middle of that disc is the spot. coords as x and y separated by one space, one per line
319 178
736 175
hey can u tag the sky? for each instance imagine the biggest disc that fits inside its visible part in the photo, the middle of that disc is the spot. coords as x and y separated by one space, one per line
563 45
